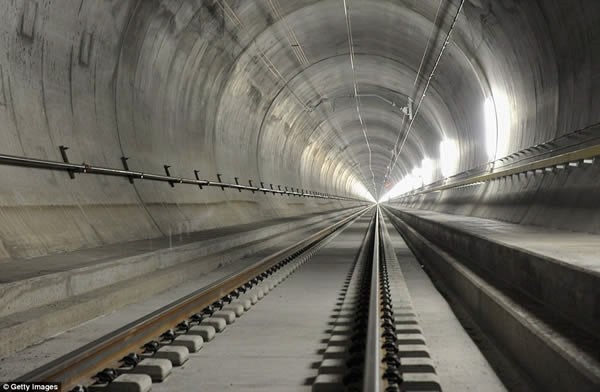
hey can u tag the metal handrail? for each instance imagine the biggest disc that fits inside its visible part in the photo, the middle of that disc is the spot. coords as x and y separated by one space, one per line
545 163
372 372
84 168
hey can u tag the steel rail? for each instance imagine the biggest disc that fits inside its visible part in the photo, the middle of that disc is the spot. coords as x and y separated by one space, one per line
80 366
84 168
372 379
544 163
521 157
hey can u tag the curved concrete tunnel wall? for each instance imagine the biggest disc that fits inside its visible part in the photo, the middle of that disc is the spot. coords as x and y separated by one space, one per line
543 56
151 90
187 84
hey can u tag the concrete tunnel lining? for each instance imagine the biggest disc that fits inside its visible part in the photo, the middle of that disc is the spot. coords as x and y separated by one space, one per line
495 242
178 83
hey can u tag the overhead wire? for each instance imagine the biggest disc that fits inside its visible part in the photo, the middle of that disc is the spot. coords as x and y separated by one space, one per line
303 60
292 38
423 95
437 13
297 48
356 92
417 77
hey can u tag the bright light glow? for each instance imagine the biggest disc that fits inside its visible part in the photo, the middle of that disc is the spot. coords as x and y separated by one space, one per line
427 171
504 123
416 179
407 184
449 157
491 127
360 190
497 125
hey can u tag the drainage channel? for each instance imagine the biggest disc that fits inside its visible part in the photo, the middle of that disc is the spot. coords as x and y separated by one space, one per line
145 351
376 343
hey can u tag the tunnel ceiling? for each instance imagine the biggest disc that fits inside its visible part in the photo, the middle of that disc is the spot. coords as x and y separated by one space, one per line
305 94
318 91
325 52
307 61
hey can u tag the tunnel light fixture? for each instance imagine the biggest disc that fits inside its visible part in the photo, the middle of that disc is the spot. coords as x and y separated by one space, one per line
491 127
407 184
449 157
427 171
420 175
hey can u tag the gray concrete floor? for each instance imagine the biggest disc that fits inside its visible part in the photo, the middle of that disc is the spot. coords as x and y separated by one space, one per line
459 363
12 270
37 355
275 346
576 248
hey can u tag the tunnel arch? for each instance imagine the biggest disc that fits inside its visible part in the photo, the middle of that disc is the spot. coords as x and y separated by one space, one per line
179 83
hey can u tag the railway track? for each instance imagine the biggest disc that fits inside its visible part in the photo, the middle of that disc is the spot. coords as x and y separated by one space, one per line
134 356
536 336
376 344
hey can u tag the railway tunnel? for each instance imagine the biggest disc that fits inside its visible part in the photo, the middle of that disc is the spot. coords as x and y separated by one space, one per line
300 195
